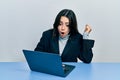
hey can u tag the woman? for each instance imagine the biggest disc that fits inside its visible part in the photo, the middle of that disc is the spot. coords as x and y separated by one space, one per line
65 40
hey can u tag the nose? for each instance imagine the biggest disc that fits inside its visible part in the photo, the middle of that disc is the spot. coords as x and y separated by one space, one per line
63 27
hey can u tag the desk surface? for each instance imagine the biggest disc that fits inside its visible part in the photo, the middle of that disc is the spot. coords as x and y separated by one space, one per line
93 71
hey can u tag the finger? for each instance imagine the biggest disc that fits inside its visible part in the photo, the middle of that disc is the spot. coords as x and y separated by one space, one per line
88 28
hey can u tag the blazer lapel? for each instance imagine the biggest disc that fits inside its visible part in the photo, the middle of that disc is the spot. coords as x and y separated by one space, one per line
67 47
55 45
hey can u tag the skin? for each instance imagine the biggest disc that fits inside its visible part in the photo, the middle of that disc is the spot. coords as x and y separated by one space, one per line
63 27
87 28
64 30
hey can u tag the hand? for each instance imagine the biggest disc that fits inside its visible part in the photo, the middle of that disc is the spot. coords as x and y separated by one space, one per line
87 28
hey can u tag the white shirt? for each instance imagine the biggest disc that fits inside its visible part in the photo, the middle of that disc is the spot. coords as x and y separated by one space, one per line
63 41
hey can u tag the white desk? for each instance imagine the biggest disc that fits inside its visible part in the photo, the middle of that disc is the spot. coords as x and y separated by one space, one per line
93 71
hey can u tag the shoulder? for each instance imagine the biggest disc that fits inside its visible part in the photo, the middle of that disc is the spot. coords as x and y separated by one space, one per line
49 31
77 36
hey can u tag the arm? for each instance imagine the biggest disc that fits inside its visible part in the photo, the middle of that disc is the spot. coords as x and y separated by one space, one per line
87 54
87 46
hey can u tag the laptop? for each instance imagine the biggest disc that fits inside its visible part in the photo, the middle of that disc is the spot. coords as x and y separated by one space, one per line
49 63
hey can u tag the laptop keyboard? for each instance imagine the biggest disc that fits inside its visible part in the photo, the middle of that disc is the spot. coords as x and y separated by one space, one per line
66 68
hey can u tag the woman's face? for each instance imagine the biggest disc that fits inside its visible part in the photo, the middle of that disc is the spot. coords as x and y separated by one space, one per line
63 27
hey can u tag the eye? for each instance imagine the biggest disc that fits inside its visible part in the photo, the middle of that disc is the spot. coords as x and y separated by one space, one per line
67 24
60 23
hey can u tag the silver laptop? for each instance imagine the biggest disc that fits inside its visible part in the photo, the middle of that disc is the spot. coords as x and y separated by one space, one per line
47 63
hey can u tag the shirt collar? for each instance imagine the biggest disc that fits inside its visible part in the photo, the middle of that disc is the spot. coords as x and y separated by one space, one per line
64 38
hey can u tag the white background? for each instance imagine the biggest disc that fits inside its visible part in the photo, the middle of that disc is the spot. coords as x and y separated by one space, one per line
23 21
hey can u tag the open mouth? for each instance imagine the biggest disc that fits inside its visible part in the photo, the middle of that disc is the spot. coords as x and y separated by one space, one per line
62 33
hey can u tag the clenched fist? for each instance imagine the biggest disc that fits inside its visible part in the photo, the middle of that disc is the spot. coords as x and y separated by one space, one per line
87 28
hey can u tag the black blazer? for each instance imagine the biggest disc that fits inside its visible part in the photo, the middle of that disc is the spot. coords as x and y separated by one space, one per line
76 47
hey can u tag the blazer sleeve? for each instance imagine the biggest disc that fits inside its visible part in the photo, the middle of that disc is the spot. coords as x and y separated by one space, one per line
86 51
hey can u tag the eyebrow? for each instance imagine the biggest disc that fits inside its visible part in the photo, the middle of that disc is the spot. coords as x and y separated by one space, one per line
65 22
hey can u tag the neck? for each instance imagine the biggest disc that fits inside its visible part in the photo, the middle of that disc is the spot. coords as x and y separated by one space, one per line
65 37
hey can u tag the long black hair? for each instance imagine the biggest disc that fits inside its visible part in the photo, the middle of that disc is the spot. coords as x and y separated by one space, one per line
72 21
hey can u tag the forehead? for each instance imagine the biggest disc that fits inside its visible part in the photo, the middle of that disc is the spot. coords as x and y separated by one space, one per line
64 19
